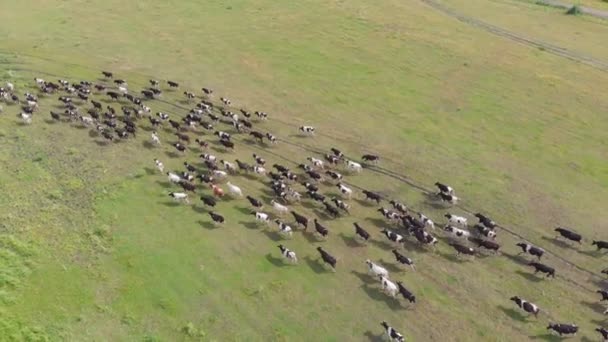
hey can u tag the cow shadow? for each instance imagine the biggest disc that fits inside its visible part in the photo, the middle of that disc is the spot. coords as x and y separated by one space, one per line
546 337
557 243
147 128
518 259
383 244
373 337
208 225
102 142
244 210
391 266
273 235
147 144
376 294
278 262
172 154
592 253
312 237
366 203
364 277
597 281
50 122
249 224
513 314
316 265
595 306
378 222
200 210
452 257
350 241
149 171
323 215
171 204
164 184
529 276
93 133
309 205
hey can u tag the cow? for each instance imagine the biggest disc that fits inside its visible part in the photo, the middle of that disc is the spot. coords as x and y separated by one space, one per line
392 236
179 196
569 234
284 228
341 204
279 208
301 220
462 249
309 130
217 191
399 206
448 198
603 332
563 329
353 166
271 138
600 244
262 217
407 294
604 294
208 200
217 218
489 245
444 189
328 258
257 135
456 220
107 74
181 148
402 259
375 269
361 233
234 190
486 221
369 195
526 306
388 286
371 158
254 202
538 267
392 334
457 232
187 186
530 249
334 175
321 229
424 237
333 211
289 255
318 163
346 191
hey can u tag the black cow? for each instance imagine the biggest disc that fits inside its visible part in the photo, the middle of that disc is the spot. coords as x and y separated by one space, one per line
569 234
407 294
333 211
402 259
55 116
173 84
227 144
257 135
489 245
217 218
189 167
603 331
328 258
462 249
360 232
563 329
300 219
316 196
107 74
255 202
371 158
604 294
372 196
600 244
183 137
188 186
209 200
538 267
530 249
486 221
322 230
179 147
310 186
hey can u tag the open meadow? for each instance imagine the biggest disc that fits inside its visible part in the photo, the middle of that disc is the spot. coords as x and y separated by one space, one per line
503 100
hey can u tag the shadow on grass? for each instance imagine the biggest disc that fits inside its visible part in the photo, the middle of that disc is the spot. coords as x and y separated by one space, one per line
518 259
592 253
249 225
198 209
208 225
595 306
373 337
147 144
366 203
383 244
273 235
558 243
316 265
513 313
376 294
529 276
150 171
350 241
172 154
391 266
546 337
244 210
171 204
164 184
453 258
278 262
378 222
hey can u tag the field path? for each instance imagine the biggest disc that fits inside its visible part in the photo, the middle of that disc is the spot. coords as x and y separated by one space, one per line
550 48
585 10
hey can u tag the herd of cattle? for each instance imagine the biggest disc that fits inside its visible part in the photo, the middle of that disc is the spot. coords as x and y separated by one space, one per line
289 187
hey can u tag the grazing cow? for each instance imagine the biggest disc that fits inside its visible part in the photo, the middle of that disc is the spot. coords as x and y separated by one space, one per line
445 189
538 267
399 206
107 74
173 178
328 258
346 191
402 259
333 211
284 229
180 196
289 255
321 230
208 200
352 166
388 286
375 269
526 306
372 196
262 217
279 208
569 234
563 329
257 135
271 138
309 130
217 191
392 236
341 204
159 165
361 233
486 221
531 249
489 245
456 220
392 334
371 158
181 148
235 190
300 220
462 249
603 332
155 138
457 232
485 231
217 218
600 244
255 202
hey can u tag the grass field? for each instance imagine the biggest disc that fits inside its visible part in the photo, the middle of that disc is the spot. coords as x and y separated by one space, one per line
93 250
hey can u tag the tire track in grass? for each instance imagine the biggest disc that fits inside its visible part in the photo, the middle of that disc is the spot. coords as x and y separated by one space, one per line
376 169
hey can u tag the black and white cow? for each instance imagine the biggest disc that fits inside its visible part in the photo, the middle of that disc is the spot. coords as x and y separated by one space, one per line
307 130
604 294
603 332
402 259
486 221
289 255
563 329
371 158
462 249
392 334
526 306
531 249
392 236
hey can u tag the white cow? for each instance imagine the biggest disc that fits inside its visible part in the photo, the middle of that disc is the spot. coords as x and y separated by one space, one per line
457 232
281 209
155 138
262 217
351 165
388 286
456 220
180 196
316 162
27 118
346 191
235 190
159 165
173 178
376 270
284 229
427 221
